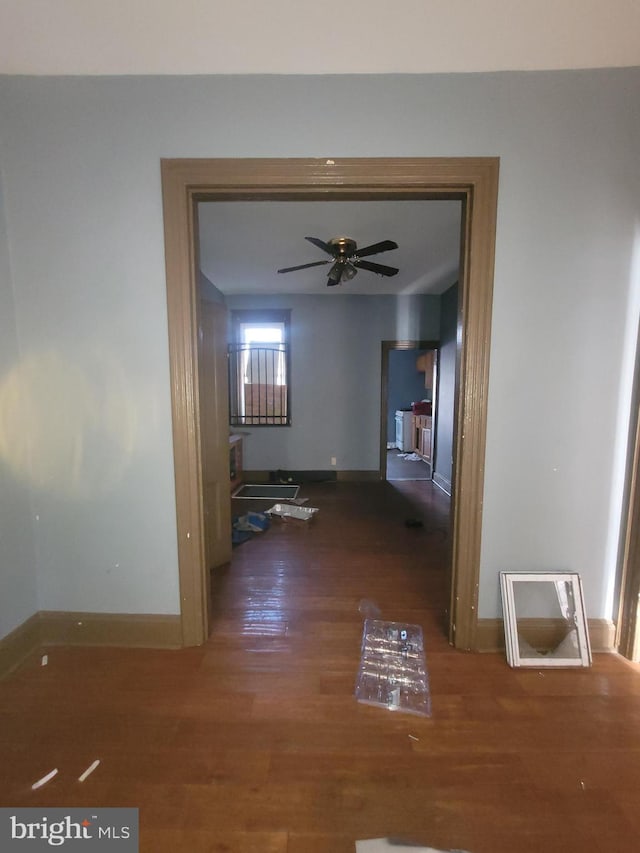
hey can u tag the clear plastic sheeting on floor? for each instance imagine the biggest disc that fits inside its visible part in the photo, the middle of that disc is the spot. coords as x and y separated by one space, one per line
393 670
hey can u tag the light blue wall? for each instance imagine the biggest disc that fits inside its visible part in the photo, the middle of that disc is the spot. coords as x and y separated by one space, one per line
18 587
336 344
80 159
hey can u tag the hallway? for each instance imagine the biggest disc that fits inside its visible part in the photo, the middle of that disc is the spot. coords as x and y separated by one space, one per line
357 547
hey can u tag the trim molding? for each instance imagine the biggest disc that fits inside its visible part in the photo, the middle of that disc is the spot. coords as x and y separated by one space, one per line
442 483
255 477
628 575
60 628
471 180
134 630
351 476
358 476
19 644
490 635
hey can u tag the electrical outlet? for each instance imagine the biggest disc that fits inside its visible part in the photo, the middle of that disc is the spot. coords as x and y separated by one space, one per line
334 461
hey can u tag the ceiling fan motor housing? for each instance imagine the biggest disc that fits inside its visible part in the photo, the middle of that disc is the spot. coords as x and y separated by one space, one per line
344 246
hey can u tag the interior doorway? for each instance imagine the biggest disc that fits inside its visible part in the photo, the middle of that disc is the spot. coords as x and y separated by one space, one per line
474 182
408 409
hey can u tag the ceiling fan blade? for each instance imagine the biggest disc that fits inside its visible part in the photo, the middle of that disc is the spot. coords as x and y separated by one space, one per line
381 269
321 245
376 248
304 266
335 274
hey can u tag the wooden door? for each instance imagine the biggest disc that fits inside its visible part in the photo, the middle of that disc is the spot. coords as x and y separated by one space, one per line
214 437
425 439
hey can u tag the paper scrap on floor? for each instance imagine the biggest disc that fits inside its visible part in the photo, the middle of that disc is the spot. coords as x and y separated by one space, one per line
384 845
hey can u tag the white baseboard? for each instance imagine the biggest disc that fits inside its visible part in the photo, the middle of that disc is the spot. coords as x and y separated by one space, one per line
442 483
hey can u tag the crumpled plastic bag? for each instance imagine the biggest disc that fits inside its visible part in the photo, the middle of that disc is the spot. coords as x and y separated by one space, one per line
254 522
243 527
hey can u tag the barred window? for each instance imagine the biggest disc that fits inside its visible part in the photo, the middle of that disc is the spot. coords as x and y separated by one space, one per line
259 361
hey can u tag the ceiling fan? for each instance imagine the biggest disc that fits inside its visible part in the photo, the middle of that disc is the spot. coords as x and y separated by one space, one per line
347 258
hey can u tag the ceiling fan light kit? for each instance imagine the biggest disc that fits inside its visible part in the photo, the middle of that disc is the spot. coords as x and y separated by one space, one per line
348 259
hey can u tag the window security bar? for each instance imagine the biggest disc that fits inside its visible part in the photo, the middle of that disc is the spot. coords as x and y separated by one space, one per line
258 384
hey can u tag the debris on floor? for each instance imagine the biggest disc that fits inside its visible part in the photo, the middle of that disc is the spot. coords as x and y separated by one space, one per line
369 609
44 780
410 457
393 671
243 527
89 770
281 476
286 511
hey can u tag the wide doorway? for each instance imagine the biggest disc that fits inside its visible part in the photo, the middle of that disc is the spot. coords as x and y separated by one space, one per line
474 183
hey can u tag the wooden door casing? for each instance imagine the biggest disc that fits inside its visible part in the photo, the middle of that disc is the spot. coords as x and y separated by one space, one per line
214 436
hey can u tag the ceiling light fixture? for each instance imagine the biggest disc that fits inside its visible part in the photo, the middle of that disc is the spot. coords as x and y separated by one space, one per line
349 272
347 259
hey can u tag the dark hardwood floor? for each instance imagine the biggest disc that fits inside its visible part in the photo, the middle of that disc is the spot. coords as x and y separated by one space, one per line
401 466
254 742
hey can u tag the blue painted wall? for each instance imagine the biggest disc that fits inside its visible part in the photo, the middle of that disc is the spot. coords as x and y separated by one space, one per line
80 160
406 384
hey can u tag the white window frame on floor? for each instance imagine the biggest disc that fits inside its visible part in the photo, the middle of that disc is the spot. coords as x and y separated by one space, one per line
572 611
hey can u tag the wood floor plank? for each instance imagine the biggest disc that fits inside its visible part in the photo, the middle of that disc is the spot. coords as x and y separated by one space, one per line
171 841
255 742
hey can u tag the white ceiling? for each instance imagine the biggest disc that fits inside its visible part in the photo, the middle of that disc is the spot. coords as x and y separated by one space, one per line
244 243
310 37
